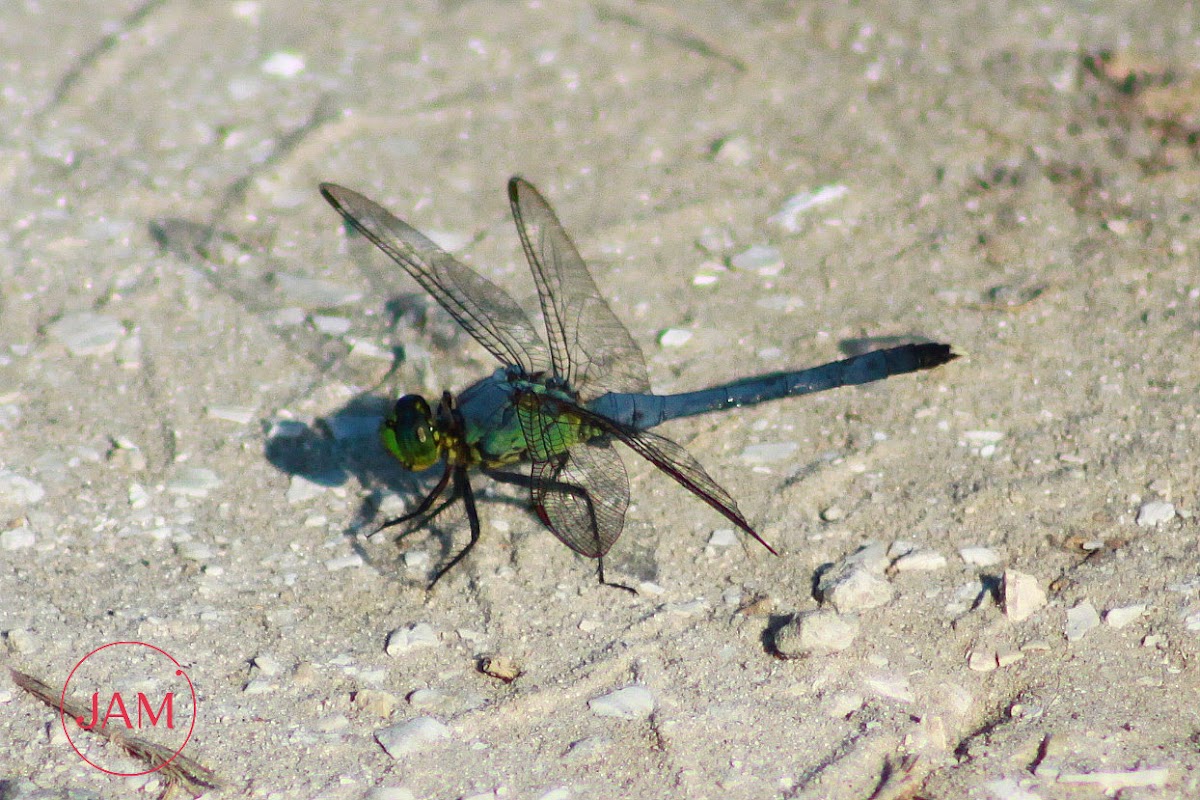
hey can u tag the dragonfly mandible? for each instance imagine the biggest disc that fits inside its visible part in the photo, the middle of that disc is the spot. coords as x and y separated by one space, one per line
562 402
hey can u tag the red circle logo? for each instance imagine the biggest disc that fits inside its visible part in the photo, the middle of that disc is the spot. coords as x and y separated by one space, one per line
137 691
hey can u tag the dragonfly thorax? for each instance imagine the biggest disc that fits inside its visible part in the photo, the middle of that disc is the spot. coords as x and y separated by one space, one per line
409 434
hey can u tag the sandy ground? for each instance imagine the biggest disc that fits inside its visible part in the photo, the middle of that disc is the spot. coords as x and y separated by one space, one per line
1019 180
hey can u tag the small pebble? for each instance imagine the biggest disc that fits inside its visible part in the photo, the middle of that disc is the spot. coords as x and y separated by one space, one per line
979 556
1081 619
788 217
194 551
240 415
1124 615
376 702
411 736
674 337
390 793
856 589
331 325
194 482
815 633
631 702
282 64
21 640
1113 782
1006 656
349 561
763 259
1156 512
833 514
16 491
1022 595
301 490
734 151
920 561
331 724
1009 789
895 687
769 451
267 665
982 659
314 292
843 704
87 334
18 538
405 640
560 793
500 667
723 537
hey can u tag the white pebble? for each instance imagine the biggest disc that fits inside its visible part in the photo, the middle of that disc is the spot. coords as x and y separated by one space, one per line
194 551
816 633
920 560
404 640
267 665
1124 615
390 793
1112 782
411 736
344 562
283 64
16 490
788 217
1009 789
768 452
1081 619
734 151
560 793
18 538
674 337
631 702
763 259
979 556
895 687
856 589
87 334
982 659
241 415
843 704
722 537
1022 595
1156 512
301 490
314 292
331 325
194 482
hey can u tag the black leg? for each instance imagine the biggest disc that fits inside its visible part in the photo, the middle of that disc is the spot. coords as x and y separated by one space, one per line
613 584
425 504
462 488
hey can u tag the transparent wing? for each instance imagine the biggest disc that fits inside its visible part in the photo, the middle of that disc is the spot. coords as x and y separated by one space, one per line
581 495
678 463
483 309
589 346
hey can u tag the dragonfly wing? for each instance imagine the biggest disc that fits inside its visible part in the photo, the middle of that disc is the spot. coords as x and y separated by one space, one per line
678 463
483 309
581 495
589 346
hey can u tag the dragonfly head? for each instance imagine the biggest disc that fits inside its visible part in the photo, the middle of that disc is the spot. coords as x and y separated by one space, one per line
408 434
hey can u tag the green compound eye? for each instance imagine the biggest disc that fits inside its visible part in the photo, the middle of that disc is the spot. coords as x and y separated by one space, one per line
408 434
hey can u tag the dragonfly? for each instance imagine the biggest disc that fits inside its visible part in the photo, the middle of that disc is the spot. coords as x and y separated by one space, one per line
561 403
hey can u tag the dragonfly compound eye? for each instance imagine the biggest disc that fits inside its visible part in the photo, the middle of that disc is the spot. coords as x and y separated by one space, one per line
409 435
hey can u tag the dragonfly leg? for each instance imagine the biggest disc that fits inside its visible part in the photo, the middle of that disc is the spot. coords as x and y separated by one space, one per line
425 504
462 488
613 584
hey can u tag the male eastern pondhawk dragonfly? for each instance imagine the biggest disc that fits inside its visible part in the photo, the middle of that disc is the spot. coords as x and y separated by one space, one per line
562 403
